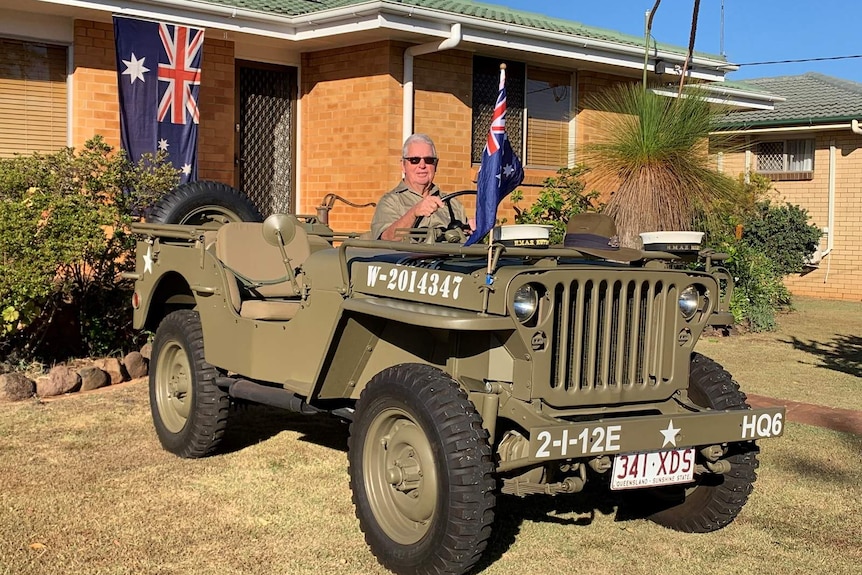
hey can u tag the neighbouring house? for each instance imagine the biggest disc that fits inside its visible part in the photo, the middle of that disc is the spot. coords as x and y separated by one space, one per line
810 146
304 98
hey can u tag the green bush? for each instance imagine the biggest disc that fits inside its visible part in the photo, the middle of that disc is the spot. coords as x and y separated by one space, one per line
783 234
64 241
774 242
561 197
759 290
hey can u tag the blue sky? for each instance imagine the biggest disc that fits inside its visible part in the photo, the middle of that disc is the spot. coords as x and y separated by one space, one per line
754 30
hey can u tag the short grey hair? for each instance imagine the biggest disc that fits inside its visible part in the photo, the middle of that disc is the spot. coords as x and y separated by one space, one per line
424 138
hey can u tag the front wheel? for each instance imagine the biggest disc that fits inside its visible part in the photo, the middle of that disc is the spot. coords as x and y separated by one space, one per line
715 500
420 472
189 410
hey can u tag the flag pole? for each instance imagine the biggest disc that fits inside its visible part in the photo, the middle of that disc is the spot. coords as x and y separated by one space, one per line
493 253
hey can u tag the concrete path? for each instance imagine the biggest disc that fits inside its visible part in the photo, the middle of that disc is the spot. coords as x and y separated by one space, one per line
844 420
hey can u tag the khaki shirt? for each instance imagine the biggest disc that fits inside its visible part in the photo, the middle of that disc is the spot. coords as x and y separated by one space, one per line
396 202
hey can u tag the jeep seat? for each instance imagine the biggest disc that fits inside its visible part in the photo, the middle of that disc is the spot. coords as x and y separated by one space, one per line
258 284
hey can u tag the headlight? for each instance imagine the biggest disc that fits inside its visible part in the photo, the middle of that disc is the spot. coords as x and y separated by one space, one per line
689 302
526 302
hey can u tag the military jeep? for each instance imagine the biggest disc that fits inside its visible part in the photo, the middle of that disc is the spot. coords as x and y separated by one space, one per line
465 373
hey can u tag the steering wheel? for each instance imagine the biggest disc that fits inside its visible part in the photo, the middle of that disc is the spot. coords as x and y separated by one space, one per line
455 231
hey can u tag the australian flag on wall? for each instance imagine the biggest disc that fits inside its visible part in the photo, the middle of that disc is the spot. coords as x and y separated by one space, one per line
159 77
501 170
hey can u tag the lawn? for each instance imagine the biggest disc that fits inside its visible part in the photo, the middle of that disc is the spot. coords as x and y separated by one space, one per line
815 356
85 488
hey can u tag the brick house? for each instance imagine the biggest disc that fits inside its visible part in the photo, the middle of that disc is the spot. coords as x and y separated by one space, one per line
810 146
300 99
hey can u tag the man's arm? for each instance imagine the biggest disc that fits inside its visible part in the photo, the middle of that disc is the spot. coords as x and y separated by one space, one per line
387 219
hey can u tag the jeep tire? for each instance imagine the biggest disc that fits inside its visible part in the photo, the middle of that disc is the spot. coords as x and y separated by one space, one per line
189 411
420 472
717 499
204 203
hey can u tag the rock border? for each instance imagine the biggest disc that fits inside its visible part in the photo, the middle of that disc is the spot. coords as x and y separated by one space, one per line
76 376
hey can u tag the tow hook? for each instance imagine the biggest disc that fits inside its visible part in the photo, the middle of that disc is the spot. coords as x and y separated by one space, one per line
718 467
712 463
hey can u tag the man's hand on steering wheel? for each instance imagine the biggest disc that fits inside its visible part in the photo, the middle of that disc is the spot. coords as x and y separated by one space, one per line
454 223
427 206
457 230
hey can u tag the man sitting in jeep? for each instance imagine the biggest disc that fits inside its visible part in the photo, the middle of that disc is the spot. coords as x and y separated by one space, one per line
416 197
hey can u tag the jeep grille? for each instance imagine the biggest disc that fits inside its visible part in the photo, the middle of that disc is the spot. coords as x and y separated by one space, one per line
612 335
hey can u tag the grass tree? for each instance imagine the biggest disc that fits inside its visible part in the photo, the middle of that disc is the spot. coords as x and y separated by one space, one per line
652 153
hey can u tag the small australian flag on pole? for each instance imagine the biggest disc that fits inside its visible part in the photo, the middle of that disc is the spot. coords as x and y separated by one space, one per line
500 172
159 77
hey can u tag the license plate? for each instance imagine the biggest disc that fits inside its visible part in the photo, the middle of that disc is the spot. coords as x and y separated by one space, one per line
636 470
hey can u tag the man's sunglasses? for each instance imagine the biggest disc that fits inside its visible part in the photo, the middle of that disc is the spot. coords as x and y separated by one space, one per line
430 160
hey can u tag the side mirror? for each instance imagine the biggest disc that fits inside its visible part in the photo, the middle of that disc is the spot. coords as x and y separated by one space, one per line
280 229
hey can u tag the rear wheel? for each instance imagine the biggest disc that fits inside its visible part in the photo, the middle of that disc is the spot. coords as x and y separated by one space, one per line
715 500
205 204
189 411
420 471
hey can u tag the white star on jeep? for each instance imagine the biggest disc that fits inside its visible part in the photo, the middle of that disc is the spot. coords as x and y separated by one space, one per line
135 69
148 260
669 434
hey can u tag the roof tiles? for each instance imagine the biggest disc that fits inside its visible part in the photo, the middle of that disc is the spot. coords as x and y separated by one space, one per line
811 98
485 11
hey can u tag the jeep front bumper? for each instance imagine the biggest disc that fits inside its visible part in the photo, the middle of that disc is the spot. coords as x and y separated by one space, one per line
648 433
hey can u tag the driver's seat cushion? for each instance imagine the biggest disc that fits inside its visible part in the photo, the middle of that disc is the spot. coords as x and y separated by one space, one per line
241 247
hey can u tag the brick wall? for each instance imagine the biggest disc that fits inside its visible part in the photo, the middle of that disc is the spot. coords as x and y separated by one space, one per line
839 275
94 84
351 129
351 101
216 135
96 109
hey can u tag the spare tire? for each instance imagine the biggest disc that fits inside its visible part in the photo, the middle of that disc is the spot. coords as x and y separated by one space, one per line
204 203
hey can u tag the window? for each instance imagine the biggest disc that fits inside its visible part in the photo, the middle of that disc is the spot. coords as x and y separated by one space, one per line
543 96
549 107
786 159
486 86
33 97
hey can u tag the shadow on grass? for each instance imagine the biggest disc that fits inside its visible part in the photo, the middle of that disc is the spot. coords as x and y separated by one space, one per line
843 353
822 472
250 424
576 510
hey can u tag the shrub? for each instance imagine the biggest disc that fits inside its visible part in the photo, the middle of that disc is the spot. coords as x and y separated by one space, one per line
64 241
783 234
560 198
759 290
774 241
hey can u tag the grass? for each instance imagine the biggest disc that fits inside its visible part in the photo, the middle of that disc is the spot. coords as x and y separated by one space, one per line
815 356
85 488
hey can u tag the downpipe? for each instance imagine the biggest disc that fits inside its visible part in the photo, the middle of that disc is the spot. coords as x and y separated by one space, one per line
265 394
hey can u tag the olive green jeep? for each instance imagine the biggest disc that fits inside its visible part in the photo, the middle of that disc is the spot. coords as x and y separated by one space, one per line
465 372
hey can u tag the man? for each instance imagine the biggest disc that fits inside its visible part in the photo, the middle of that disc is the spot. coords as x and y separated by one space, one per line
416 196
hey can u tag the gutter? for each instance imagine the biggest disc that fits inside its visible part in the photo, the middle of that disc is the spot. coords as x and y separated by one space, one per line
409 54
838 121
780 129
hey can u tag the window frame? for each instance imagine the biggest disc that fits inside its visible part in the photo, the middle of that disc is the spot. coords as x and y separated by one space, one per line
517 110
39 106
785 173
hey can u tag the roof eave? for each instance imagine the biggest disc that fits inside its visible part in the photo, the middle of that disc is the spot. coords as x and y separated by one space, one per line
734 98
377 14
